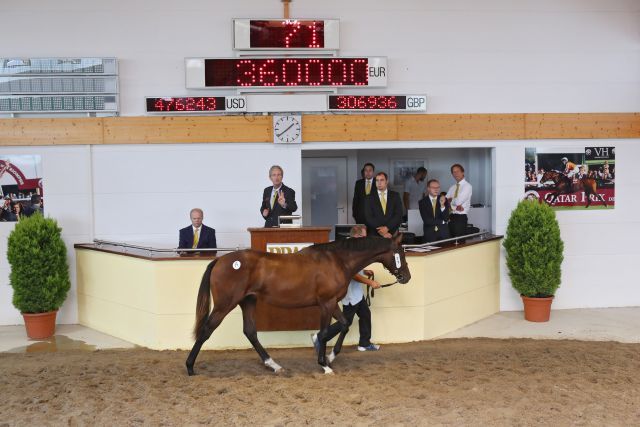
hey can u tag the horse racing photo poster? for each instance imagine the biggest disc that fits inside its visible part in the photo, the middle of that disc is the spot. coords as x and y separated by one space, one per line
571 180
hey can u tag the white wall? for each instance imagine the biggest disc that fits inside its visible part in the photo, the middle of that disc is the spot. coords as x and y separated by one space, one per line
467 56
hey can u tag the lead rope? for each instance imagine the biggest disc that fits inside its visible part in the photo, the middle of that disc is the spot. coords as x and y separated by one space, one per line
371 293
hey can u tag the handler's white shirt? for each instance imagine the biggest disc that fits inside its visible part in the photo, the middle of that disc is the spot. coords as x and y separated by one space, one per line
463 199
354 292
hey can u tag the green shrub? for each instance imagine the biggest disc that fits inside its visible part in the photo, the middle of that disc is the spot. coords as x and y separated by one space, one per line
39 270
534 249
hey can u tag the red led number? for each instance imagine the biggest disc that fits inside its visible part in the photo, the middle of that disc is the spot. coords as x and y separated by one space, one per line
299 72
184 104
366 102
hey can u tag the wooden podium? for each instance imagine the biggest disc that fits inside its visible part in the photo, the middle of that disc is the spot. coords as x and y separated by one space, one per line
271 318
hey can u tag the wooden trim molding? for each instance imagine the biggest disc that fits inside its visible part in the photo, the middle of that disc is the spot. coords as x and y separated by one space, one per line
318 128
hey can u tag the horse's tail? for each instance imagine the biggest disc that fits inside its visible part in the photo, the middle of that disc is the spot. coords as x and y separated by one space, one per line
203 306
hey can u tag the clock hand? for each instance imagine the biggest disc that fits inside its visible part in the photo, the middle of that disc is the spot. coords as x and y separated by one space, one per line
285 131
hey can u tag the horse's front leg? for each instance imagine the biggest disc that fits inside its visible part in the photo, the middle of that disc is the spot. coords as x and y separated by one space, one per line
248 306
327 308
344 323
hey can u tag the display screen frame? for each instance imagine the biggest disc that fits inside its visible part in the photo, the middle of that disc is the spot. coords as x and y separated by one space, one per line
412 103
238 104
242 34
196 72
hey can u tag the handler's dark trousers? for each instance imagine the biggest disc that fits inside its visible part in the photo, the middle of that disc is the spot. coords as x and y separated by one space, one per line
364 321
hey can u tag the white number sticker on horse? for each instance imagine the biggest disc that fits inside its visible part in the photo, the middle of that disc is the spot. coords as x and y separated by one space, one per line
236 265
397 257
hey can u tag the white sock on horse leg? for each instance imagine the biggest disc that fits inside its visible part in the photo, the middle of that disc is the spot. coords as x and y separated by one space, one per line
327 370
331 357
273 365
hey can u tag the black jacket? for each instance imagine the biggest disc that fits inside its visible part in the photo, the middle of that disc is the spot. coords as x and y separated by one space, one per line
271 220
207 238
429 221
374 217
359 196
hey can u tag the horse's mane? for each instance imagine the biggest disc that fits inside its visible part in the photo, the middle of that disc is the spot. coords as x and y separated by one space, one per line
359 244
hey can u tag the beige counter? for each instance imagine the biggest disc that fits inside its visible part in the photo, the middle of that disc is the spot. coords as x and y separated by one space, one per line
151 302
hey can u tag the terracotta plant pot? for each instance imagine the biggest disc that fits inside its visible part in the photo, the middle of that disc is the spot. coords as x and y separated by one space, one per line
537 309
40 325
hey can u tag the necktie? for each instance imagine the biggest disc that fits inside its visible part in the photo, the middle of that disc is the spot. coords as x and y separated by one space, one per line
457 188
368 188
383 201
433 204
195 238
275 197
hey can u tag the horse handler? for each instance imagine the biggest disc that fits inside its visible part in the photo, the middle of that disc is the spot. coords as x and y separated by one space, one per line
354 303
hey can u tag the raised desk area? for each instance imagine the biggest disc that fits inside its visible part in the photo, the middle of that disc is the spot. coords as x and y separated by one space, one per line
150 301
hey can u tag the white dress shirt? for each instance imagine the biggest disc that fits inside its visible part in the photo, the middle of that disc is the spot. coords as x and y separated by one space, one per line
463 199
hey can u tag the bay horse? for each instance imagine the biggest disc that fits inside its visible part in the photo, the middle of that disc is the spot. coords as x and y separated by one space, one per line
317 275
564 185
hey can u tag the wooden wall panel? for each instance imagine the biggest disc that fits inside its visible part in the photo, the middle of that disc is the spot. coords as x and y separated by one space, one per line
170 130
582 125
319 128
429 127
349 127
50 131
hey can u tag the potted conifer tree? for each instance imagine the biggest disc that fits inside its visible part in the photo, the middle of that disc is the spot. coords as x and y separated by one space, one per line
39 273
534 252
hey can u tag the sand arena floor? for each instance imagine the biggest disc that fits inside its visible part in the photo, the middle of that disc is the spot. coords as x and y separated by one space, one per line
457 381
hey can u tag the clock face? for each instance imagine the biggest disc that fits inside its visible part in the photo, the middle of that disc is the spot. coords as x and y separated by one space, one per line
287 129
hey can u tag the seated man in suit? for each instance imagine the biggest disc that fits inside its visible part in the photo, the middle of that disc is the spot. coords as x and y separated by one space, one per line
277 199
383 209
434 210
361 191
197 235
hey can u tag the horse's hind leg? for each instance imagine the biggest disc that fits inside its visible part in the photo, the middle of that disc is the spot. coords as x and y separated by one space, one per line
214 320
248 306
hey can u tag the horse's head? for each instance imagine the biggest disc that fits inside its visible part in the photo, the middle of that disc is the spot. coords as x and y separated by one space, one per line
394 260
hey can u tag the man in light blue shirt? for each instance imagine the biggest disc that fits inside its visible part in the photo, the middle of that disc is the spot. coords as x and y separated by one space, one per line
354 303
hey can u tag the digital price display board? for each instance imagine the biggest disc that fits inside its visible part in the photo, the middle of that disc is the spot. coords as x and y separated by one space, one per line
377 102
197 104
291 72
286 34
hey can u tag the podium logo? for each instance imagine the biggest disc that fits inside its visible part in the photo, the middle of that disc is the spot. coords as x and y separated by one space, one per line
286 248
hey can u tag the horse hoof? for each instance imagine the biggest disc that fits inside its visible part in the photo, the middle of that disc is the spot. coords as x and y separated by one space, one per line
273 365
327 370
331 357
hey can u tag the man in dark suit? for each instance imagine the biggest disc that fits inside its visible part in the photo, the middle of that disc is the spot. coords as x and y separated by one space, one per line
434 210
383 209
277 199
197 235
361 191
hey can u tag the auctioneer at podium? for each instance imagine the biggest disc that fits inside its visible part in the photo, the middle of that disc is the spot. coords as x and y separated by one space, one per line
277 199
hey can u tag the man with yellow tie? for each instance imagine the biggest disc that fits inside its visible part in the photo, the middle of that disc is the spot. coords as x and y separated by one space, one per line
459 196
277 199
383 209
434 210
361 191
197 235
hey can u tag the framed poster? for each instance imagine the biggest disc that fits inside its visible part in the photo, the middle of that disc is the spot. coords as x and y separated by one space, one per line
571 179
402 170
